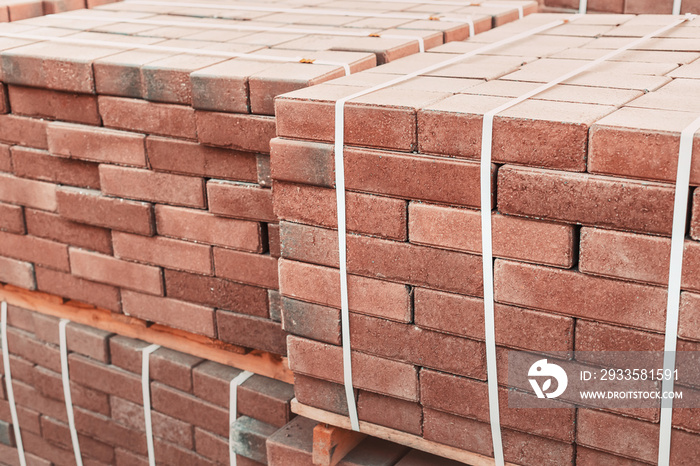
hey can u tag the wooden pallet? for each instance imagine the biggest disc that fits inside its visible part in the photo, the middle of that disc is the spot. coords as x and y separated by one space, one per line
258 362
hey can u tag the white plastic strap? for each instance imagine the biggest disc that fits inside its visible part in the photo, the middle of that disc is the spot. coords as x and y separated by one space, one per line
8 384
303 11
339 145
66 390
582 7
233 409
146 390
680 212
162 48
677 7
486 239
242 27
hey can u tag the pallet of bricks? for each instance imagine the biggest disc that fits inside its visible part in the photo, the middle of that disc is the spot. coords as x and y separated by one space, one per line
135 186
585 143
659 7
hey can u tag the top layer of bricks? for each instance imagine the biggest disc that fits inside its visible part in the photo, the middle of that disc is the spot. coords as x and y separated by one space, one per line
207 74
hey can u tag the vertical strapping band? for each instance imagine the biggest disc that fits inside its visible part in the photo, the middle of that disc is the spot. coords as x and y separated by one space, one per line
8 385
680 212
68 398
233 409
582 7
146 390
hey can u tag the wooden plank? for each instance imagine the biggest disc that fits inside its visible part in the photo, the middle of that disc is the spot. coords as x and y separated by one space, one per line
396 436
258 362
331 444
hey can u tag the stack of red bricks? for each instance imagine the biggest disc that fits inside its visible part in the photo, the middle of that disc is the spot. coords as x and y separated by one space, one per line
661 7
137 180
16 10
582 204
190 402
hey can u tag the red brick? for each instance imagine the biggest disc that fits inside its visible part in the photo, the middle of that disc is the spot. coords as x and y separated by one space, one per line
469 398
126 353
96 144
21 318
252 269
211 382
311 321
588 457
302 162
145 185
513 238
321 285
4 104
59 434
148 117
612 433
264 175
572 293
293 444
559 129
30 193
212 446
17 273
322 394
10 453
236 131
127 458
173 368
246 201
411 344
107 269
5 158
251 332
168 79
165 252
24 345
601 201
614 6
689 324
172 454
28 396
22 370
273 239
635 257
385 118
106 430
515 327
390 412
23 131
170 312
54 227
195 159
217 293
34 443
106 379
40 165
31 249
367 214
44 103
164 427
369 372
203 227
189 409
91 207
267 400
49 384
519 448
11 218
69 286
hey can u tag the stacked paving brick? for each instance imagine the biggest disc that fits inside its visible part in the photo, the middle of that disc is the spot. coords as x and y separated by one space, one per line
582 204
661 7
189 395
138 180
16 10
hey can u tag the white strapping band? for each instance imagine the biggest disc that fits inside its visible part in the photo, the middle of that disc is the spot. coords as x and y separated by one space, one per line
65 378
241 27
486 233
677 7
680 212
233 409
8 385
582 7
340 192
161 48
146 390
